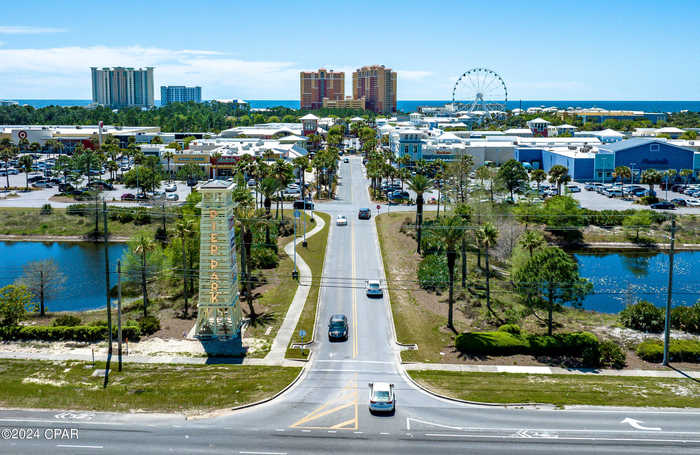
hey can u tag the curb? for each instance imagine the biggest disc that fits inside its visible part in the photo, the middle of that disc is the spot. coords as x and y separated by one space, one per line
299 376
475 403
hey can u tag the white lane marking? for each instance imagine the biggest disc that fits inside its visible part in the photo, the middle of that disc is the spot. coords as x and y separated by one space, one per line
541 430
357 432
279 429
384 433
579 438
65 421
306 431
634 423
72 446
356 361
331 431
339 370
264 453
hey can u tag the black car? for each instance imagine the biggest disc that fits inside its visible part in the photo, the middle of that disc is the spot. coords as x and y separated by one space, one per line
303 205
364 214
664 205
678 202
338 327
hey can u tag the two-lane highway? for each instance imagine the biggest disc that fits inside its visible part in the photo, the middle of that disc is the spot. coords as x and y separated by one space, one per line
327 411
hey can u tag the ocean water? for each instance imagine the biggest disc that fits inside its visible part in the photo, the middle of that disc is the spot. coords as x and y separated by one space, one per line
412 105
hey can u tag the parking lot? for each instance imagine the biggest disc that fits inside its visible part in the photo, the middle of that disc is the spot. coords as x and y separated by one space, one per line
595 201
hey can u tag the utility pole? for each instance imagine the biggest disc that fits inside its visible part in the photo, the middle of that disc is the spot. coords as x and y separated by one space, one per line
119 313
165 234
667 326
184 269
109 300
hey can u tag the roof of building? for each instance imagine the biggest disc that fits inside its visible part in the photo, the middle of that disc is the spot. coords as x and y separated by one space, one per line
539 120
309 117
635 142
608 132
670 129
293 138
215 185
566 125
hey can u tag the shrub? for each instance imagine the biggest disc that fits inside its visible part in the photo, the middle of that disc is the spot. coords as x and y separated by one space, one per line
506 343
98 323
491 343
643 316
686 318
513 329
46 209
126 216
678 350
285 228
66 320
264 258
161 234
611 355
70 333
149 325
432 272
77 209
648 200
142 216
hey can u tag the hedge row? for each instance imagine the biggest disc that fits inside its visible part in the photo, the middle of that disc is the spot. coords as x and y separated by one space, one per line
678 350
74 333
505 343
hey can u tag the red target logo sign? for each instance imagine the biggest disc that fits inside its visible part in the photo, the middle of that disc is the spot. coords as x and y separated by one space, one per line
22 134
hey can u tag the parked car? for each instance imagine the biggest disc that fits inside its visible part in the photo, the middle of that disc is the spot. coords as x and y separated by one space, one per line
399 195
364 214
171 188
101 185
12 171
172 197
291 192
573 188
381 397
374 289
692 202
346 160
65 187
128 197
42 184
158 195
251 182
341 220
142 197
663 205
678 202
303 205
338 327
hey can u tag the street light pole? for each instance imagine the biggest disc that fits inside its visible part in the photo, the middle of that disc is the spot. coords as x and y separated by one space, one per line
667 325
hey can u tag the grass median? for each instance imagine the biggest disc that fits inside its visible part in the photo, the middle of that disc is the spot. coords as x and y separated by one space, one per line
562 390
314 255
142 387
30 221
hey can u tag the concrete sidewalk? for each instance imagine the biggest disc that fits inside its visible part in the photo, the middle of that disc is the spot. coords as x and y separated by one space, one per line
667 373
286 330
155 359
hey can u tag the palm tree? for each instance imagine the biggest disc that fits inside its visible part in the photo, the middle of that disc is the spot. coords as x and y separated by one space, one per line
531 240
25 163
487 236
539 176
651 177
623 172
465 211
559 175
247 218
34 147
685 175
214 159
144 245
281 171
23 144
112 167
168 155
450 232
8 152
419 184
184 228
268 187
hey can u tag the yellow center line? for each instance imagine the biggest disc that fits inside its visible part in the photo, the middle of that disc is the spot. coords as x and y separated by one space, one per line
321 414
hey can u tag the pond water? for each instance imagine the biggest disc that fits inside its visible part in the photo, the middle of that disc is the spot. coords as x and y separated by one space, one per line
82 263
622 278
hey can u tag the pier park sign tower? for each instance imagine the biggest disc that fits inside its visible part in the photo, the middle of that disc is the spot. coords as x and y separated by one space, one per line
218 309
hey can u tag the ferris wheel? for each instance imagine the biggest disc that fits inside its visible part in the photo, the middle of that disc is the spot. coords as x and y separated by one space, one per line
480 90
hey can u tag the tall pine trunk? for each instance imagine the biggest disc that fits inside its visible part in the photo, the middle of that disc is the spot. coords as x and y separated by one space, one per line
451 257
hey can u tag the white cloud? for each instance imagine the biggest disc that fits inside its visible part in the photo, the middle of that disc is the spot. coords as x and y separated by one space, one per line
27 30
64 72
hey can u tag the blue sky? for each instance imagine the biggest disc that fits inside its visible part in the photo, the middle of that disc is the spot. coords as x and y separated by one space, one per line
614 50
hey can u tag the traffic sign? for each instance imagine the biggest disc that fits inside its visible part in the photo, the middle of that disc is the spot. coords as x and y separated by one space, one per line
297 214
379 206
302 333
22 134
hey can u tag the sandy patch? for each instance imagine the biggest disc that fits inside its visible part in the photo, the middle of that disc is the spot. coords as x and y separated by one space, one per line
43 381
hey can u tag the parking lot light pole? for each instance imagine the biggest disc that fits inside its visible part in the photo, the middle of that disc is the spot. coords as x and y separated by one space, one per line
667 324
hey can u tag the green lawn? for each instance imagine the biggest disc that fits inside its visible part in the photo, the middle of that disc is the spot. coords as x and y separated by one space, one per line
144 387
562 389
29 221
314 255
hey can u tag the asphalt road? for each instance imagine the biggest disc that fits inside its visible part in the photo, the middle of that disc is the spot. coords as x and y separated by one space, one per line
326 411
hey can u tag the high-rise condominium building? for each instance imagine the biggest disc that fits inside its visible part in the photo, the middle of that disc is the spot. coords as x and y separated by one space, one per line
377 85
122 87
179 94
314 86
